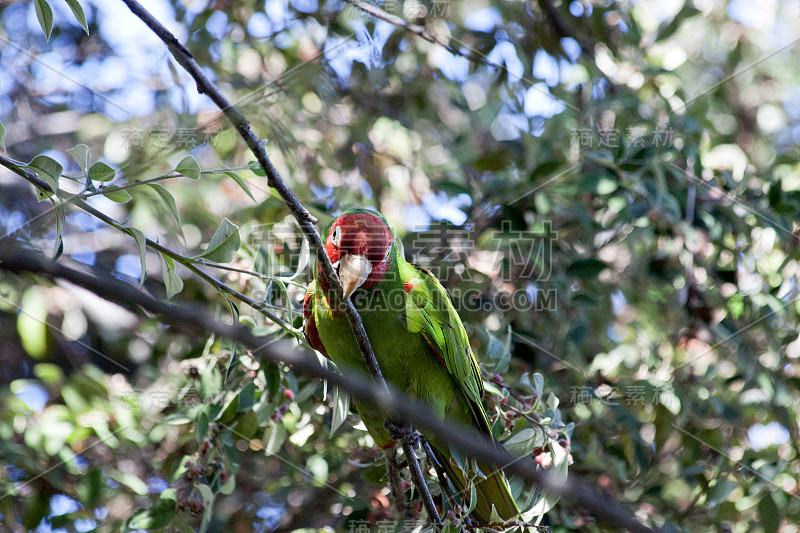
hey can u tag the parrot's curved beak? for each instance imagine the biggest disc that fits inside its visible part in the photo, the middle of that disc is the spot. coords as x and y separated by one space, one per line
353 272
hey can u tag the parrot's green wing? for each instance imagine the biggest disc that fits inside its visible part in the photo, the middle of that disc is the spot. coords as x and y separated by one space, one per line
430 312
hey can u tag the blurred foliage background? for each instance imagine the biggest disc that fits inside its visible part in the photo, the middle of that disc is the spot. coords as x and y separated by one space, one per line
609 190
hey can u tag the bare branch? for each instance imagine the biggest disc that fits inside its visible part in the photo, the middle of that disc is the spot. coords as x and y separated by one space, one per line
386 400
256 145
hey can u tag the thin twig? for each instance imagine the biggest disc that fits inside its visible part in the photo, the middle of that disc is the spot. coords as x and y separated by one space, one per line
396 482
419 479
31 177
440 473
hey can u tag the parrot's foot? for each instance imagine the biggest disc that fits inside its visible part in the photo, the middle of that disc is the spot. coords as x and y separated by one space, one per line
402 433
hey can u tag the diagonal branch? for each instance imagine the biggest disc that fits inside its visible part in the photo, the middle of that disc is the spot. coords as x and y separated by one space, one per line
256 145
387 401
31 177
304 218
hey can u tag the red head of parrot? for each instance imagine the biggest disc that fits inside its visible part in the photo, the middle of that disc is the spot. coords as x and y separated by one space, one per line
359 243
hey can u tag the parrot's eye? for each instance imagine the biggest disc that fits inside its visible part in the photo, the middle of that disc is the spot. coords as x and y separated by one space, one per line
337 235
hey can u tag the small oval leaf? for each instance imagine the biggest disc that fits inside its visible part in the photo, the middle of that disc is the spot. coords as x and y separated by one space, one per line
48 169
101 172
82 155
121 197
189 168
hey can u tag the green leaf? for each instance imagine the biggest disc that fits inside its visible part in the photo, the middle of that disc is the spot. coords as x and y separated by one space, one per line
202 426
667 28
141 245
558 470
31 322
473 497
274 437
49 373
719 492
341 408
538 384
504 355
77 10
101 172
91 488
545 169
240 181
59 242
121 196
45 15
189 168
318 468
157 516
523 442
768 514
273 377
172 281
598 183
47 169
208 506
247 396
168 200
256 169
232 360
587 268
493 161
229 485
2 136
82 155
227 414
224 244
131 481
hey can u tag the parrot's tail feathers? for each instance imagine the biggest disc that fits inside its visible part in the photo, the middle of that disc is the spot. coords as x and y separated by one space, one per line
491 491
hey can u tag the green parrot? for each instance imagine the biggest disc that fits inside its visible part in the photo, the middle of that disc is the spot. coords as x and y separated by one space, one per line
417 336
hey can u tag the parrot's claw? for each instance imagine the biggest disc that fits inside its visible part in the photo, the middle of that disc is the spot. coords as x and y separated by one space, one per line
402 433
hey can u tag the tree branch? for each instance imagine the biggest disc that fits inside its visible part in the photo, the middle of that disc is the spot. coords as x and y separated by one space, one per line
304 218
387 401
76 200
256 145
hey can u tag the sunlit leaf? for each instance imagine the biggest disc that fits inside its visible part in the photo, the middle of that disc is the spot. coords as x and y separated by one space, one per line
224 244
45 15
121 196
82 155
141 246
77 10
240 181
47 169
340 408
32 322
172 281
101 172
168 200
189 167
